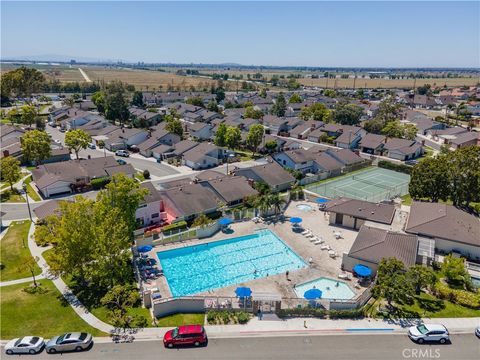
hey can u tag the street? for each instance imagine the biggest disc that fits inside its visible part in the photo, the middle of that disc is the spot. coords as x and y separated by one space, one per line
348 347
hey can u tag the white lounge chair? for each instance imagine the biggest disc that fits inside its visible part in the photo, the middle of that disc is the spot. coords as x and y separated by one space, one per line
325 247
305 232
319 241
332 254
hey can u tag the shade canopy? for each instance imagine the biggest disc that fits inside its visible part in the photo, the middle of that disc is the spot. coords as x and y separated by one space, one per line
144 248
296 220
243 291
225 221
362 270
312 294
321 200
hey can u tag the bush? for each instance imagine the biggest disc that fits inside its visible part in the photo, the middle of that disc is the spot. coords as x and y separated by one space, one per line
175 226
395 167
346 314
459 297
243 317
146 174
99 183
302 312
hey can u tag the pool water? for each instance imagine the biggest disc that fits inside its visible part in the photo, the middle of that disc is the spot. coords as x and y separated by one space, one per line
199 268
304 207
329 289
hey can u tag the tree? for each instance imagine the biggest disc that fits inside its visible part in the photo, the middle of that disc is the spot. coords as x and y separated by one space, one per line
271 146
463 169
388 110
455 271
201 221
420 277
255 136
118 300
263 93
197 101
233 137
262 187
391 282
220 135
374 126
116 105
76 140
10 170
212 105
175 126
29 113
429 180
280 106
137 99
98 99
68 101
295 98
293 84
22 82
276 202
347 114
316 111
220 95
31 266
36 146
410 131
393 129
252 113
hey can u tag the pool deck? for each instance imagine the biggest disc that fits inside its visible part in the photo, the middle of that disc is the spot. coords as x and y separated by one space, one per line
322 265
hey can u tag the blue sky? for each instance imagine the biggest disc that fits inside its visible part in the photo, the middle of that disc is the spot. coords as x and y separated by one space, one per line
403 34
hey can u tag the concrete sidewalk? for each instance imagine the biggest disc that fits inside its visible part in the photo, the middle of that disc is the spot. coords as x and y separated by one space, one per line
21 281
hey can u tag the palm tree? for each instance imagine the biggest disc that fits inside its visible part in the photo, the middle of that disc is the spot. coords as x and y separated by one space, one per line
262 203
276 202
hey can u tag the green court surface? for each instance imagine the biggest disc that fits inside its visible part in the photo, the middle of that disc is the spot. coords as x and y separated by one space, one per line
372 184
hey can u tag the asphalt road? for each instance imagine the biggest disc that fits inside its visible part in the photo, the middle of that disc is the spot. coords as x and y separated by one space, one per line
348 347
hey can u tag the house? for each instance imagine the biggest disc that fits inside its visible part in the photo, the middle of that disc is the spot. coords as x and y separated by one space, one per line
188 201
68 176
372 144
270 138
199 130
421 121
445 135
465 139
10 141
57 155
424 102
299 160
303 130
232 190
373 244
349 139
151 207
451 229
402 149
270 173
203 156
275 124
123 138
148 117
347 157
353 213
157 138
46 209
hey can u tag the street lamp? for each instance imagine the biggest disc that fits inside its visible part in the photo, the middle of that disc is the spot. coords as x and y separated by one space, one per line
229 156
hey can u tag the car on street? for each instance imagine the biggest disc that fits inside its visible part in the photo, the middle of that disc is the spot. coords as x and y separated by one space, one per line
477 331
25 345
123 153
62 130
429 333
75 341
185 335
121 162
91 146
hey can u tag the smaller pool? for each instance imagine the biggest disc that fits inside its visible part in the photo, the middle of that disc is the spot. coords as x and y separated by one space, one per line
304 207
331 289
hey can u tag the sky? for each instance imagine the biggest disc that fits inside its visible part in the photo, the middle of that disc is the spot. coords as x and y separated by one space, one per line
337 34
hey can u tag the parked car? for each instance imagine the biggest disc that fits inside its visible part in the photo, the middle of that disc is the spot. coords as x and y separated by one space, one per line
121 162
477 331
25 345
69 342
411 162
91 146
185 335
429 332
62 130
52 124
123 153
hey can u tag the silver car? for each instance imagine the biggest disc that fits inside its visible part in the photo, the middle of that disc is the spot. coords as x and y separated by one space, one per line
69 342
25 345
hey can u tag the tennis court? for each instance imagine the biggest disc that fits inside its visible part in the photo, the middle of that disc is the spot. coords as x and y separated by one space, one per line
372 184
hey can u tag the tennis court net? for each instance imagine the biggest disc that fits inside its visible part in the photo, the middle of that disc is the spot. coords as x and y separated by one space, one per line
386 187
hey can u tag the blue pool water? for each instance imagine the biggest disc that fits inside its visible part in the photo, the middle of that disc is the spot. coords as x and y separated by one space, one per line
304 207
329 289
198 268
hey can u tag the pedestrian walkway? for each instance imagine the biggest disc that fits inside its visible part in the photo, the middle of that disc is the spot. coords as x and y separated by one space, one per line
21 281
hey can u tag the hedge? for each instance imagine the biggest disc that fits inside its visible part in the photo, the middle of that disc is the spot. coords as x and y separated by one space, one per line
395 167
320 313
175 226
459 297
99 183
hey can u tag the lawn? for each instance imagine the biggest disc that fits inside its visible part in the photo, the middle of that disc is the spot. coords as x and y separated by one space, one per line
13 254
139 176
9 196
41 314
407 200
4 185
30 191
181 319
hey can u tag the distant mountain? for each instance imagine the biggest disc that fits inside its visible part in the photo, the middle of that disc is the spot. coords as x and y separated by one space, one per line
57 58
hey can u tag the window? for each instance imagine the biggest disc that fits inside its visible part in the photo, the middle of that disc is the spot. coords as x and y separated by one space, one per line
156 215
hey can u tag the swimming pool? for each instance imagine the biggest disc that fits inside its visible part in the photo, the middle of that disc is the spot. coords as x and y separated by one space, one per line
304 207
329 288
198 268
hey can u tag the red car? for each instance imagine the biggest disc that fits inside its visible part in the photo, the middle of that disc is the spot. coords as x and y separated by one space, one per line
185 335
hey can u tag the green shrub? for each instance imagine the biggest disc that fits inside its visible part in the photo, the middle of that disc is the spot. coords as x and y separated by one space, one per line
242 317
212 317
99 183
302 312
395 167
146 174
346 314
459 297
175 226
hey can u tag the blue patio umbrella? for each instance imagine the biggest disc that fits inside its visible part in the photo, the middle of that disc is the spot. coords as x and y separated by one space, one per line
321 200
243 291
362 270
144 248
225 221
296 220
312 294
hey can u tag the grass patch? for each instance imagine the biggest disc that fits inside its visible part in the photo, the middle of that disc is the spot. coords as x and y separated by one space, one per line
181 319
407 200
4 185
13 254
11 196
139 176
30 190
43 313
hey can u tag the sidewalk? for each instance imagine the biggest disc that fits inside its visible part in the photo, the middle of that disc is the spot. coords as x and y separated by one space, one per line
21 281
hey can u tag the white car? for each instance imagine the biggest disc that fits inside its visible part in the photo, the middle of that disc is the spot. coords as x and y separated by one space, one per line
429 332
477 331
123 153
25 345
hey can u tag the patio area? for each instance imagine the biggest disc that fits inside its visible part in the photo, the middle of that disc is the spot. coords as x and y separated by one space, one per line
320 262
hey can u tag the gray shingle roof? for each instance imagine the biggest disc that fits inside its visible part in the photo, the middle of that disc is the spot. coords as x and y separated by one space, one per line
382 213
